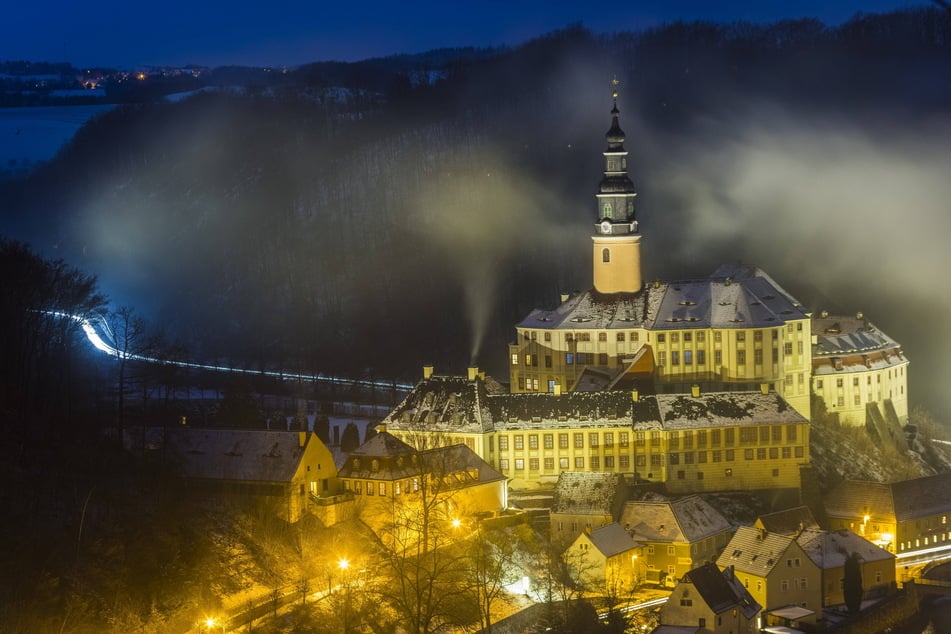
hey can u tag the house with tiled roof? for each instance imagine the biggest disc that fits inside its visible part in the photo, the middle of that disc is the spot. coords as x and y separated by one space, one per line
902 517
285 468
858 370
584 501
606 559
691 442
829 549
385 477
788 521
677 535
711 601
778 574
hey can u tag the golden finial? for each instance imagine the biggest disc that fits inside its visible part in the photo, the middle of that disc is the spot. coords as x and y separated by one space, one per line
615 82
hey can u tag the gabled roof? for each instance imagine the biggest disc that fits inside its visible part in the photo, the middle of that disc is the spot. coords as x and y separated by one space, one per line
612 539
248 455
384 457
754 551
721 590
588 493
908 499
787 522
828 549
687 520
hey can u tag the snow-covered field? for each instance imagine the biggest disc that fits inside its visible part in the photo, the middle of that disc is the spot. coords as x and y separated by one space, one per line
33 135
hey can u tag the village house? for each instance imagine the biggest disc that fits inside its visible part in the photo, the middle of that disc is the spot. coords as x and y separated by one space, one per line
385 479
828 550
778 574
677 535
606 560
283 469
585 501
708 600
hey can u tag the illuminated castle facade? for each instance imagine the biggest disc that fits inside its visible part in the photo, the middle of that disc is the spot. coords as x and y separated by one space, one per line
734 330
699 384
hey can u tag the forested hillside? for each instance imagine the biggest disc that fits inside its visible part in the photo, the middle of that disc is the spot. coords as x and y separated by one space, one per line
375 216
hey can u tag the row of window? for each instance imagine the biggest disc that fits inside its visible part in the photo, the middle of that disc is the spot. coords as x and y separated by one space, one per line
764 434
924 541
376 487
701 357
623 463
571 358
840 382
595 440
699 336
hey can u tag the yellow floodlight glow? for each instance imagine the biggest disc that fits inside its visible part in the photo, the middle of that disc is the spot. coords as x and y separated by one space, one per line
343 563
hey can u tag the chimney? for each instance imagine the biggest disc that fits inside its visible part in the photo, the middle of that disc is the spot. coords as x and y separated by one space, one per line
481 375
473 373
635 396
301 438
427 371
380 428
564 297
695 390
764 388
556 389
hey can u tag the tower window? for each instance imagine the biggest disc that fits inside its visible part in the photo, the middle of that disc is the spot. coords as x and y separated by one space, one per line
606 208
606 255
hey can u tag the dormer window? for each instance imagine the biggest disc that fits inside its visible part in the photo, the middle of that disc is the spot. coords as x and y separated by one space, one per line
375 465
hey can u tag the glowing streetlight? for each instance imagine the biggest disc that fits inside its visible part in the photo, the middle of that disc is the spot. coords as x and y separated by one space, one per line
343 563
456 523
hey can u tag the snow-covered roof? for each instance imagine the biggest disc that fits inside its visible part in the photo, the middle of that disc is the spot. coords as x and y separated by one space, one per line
789 521
683 411
735 296
247 455
828 549
686 520
588 493
754 551
721 590
384 457
457 405
841 335
612 539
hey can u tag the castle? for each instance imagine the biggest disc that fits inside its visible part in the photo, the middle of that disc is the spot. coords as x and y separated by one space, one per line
700 384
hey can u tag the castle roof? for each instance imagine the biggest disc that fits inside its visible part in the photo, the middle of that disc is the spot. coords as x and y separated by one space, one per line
907 499
852 344
457 405
734 296
687 520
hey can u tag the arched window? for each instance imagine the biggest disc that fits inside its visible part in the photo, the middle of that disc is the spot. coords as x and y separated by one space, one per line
606 255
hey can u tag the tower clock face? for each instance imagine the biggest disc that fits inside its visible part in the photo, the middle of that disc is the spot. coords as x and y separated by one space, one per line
605 227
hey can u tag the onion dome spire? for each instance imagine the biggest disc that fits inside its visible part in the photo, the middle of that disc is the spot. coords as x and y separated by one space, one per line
615 135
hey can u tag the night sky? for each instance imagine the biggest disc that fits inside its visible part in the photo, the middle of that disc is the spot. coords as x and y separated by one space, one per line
214 33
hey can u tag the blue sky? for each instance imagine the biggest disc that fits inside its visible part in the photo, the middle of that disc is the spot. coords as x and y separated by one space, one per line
288 32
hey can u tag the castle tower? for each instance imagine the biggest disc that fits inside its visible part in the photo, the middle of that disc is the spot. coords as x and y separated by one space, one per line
617 244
